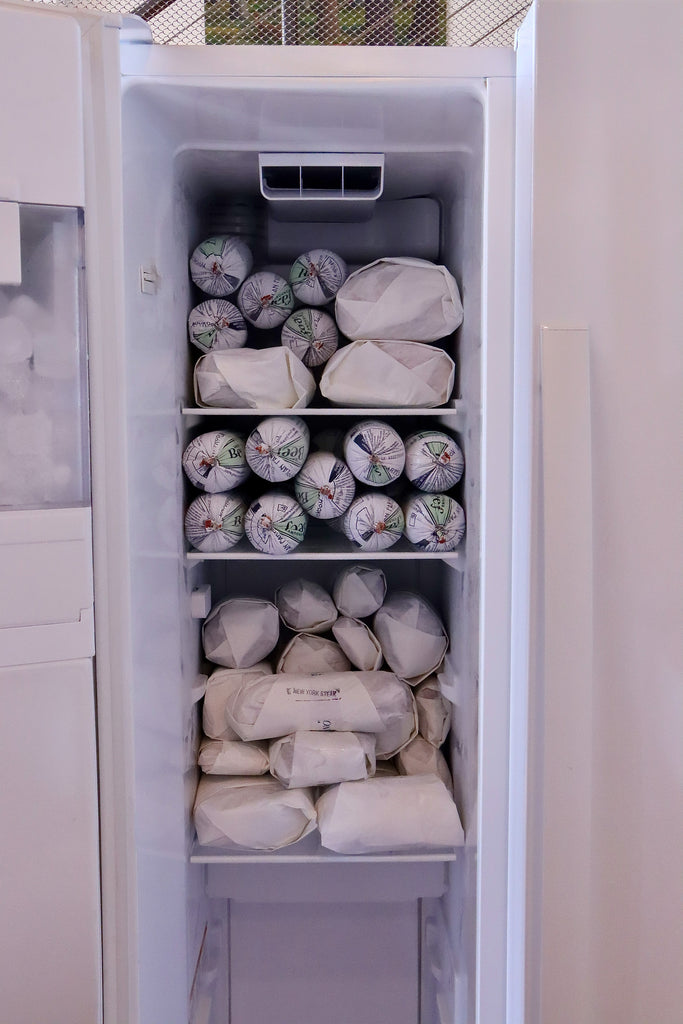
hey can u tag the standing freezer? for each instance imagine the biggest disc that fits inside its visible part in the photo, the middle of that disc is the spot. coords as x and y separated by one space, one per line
175 144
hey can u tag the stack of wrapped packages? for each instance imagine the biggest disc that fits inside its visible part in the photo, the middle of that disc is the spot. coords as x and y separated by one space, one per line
363 339
326 712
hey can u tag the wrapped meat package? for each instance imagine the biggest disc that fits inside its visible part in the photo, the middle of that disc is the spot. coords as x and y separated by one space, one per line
233 757
251 813
266 300
325 486
412 636
312 655
374 521
220 683
434 522
220 264
215 522
317 275
276 705
389 814
312 335
240 631
215 461
216 324
399 299
359 590
374 453
249 378
433 711
321 758
434 462
275 523
276 449
388 374
305 607
359 643
420 758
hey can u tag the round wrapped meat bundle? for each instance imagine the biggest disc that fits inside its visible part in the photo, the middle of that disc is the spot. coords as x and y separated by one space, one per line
413 638
220 683
420 758
338 701
374 522
434 522
275 523
403 813
374 453
305 606
321 758
433 711
388 374
215 522
215 461
240 631
359 590
359 643
399 299
325 487
434 462
312 335
317 275
248 378
216 324
277 448
220 264
251 813
233 757
308 654
266 300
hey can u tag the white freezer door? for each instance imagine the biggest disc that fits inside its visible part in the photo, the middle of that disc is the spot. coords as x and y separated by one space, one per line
598 435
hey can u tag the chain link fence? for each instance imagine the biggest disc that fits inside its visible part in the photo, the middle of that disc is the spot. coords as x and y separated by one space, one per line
325 22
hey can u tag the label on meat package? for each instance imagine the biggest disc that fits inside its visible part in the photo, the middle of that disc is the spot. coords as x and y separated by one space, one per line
266 299
434 522
317 703
220 264
216 324
277 448
312 336
374 453
325 486
434 462
215 461
275 523
316 276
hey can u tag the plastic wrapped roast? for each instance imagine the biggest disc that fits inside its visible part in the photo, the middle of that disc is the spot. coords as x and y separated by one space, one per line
233 757
388 374
413 638
325 486
321 758
220 683
359 643
305 606
240 631
215 462
220 264
276 449
251 812
308 654
249 378
216 324
215 522
359 590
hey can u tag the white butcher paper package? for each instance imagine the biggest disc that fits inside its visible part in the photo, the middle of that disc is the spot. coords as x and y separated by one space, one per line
420 758
216 462
220 264
312 335
305 606
215 522
433 711
322 758
250 378
374 453
277 447
433 522
399 814
325 486
275 523
434 462
220 683
265 299
376 702
373 521
388 374
308 654
233 757
413 638
400 299
253 812
216 324
359 643
317 275
359 590
240 631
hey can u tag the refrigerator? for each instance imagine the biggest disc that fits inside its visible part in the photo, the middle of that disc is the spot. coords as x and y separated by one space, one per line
542 177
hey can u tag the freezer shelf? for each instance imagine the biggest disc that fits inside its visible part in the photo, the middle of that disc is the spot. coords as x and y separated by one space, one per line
334 548
456 412
309 851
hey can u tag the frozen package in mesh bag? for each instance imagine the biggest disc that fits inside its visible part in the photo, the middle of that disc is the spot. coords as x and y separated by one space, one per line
325 486
275 523
434 522
389 814
433 711
374 453
311 334
359 590
312 655
266 300
240 631
420 758
317 275
336 701
359 643
276 449
388 374
220 683
216 461
251 813
434 462
322 758
305 606
400 299
216 324
233 757
374 521
249 378
413 638
220 264
215 522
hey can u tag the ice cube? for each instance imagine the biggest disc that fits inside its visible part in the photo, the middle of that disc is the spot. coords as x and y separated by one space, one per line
16 343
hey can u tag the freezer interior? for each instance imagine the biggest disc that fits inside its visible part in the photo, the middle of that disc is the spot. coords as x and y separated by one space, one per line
299 935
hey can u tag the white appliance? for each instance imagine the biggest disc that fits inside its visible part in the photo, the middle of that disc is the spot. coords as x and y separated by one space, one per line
520 172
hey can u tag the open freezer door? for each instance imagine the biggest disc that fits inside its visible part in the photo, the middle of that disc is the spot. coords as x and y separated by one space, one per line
598 170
